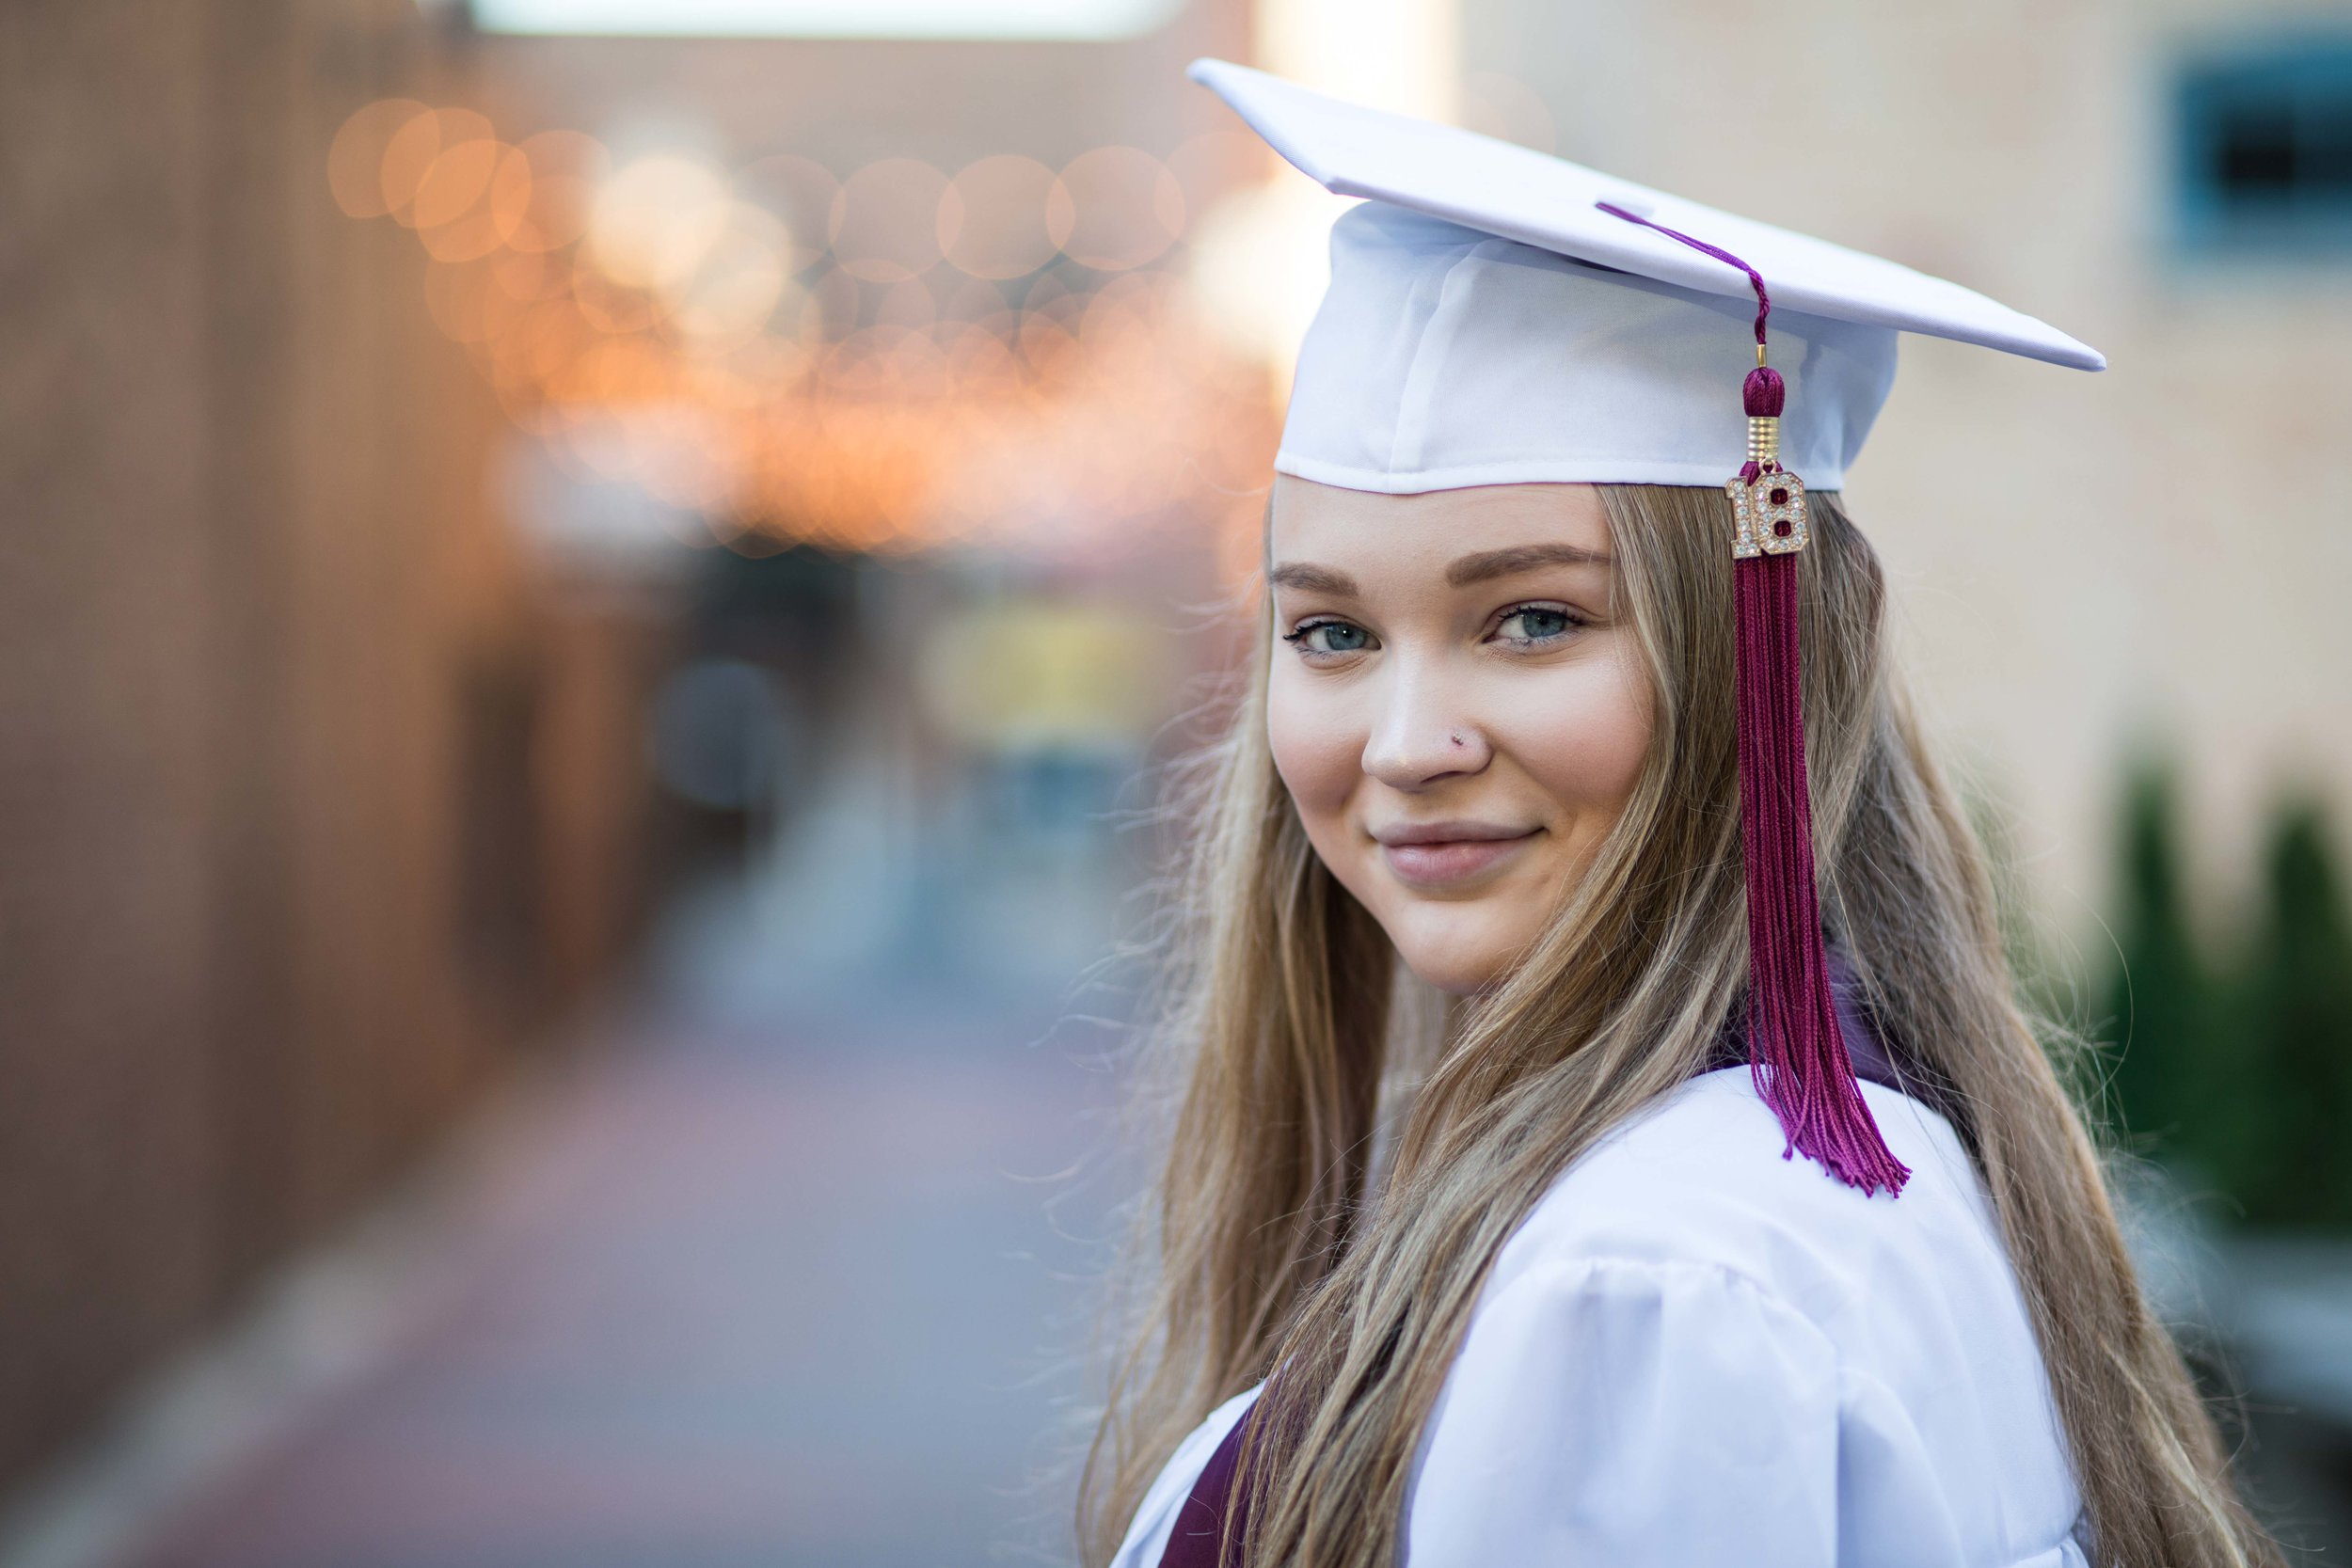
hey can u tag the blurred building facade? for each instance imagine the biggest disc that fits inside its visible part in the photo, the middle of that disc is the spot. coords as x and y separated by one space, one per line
2082 564
309 817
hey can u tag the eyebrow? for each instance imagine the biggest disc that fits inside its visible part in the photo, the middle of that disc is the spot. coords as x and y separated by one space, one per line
1520 558
1307 579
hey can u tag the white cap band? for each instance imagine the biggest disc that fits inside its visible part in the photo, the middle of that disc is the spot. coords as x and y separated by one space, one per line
1445 357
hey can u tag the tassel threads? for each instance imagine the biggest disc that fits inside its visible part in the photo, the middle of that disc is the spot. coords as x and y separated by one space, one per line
1796 1050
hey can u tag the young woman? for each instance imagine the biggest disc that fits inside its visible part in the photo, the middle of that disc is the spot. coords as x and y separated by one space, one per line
1731 1213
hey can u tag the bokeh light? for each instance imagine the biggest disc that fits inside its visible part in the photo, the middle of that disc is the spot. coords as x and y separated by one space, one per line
415 148
801 192
992 217
456 179
1114 208
356 158
656 219
566 168
738 281
885 220
895 362
472 200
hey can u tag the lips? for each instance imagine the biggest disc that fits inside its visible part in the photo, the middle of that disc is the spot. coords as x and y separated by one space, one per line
1437 854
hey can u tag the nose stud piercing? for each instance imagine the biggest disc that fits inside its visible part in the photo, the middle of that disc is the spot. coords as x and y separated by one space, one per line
1458 740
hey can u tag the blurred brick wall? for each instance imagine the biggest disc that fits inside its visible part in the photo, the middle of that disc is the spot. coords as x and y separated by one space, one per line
272 847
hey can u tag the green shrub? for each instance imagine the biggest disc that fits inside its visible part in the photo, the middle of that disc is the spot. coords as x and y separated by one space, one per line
2240 1080
2292 1027
2160 1012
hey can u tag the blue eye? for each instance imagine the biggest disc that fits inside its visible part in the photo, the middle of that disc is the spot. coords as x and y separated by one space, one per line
1329 637
1536 624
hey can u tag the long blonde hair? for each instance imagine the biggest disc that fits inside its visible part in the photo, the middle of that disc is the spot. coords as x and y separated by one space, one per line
1269 1242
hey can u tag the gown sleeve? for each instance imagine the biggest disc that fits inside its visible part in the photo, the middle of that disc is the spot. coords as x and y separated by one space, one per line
1633 1413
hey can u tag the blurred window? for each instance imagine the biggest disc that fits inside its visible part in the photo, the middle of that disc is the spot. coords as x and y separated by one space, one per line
2265 146
934 19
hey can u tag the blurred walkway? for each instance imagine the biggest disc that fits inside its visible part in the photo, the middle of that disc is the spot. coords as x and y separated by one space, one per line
726 1292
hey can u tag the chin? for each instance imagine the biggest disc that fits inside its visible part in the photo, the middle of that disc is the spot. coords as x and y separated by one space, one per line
1457 957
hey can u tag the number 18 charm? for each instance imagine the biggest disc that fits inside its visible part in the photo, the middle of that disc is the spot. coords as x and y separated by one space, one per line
1767 514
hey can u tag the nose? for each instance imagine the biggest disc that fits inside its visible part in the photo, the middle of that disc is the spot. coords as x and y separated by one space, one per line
1420 737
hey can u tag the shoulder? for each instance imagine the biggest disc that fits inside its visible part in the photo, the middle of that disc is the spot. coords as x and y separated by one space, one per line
1698 1181
1693 1350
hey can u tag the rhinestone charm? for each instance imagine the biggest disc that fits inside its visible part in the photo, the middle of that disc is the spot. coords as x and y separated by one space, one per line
1767 514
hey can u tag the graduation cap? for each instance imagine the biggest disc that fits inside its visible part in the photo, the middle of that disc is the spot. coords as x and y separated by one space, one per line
1498 316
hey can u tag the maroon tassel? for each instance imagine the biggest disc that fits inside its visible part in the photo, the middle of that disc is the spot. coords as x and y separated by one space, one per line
1795 1050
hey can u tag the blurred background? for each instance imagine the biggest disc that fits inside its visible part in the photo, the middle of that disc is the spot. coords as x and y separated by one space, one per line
597 585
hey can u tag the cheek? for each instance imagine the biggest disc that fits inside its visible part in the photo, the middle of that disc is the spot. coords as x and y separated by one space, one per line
1584 743
1318 749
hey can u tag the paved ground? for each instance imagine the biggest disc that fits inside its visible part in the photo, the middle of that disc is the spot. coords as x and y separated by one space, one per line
781 1269
719 1297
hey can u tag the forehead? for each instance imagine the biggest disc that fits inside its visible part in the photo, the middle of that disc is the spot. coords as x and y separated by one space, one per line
1333 527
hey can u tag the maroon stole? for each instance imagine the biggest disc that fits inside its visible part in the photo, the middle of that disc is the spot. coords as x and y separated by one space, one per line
1201 1524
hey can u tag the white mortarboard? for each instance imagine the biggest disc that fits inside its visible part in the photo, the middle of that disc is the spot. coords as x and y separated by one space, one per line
1497 316
1489 322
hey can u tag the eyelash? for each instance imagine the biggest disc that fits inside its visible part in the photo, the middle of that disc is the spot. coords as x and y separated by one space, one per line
1297 636
1575 622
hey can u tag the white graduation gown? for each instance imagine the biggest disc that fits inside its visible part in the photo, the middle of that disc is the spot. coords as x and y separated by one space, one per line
1694 1352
